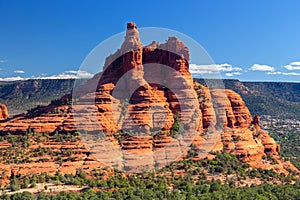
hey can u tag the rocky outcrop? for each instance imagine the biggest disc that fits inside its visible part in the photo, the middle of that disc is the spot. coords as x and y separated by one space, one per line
147 111
3 112
256 121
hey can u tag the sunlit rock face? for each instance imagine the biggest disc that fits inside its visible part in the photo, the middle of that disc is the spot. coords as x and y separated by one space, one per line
3 112
135 102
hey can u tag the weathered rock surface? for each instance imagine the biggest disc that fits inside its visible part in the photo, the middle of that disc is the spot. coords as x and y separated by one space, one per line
143 94
3 112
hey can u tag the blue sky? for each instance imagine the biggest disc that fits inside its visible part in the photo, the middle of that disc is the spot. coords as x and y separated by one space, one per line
248 40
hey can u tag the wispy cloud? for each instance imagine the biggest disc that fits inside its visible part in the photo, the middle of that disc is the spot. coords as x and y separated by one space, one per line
70 75
293 66
15 78
232 74
64 75
284 73
19 72
258 67
212 68
3 61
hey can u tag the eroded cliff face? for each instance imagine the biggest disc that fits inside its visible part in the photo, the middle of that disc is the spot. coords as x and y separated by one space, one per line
135 103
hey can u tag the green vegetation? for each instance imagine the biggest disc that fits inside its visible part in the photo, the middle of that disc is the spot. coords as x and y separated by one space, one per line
226 165
185 179
287 133
124 105
20 96
17 150
148 186
177 127
14 184
201 190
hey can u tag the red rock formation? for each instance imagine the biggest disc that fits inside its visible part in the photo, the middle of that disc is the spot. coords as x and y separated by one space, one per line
240 111
134 104
256 121
3 112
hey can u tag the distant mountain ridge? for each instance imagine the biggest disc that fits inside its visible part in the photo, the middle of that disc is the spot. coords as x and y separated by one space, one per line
267 98
20 96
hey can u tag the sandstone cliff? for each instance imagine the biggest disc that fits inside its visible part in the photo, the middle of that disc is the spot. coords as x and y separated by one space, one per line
149 111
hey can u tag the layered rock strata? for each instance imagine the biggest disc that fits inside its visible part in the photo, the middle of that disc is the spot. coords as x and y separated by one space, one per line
147 111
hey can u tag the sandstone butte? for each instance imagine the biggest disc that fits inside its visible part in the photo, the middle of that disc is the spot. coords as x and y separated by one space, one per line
128 101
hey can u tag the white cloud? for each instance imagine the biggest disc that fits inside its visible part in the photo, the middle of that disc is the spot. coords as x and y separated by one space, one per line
19 72
73 71
232 74
64 75
295 63
84 74
15 78
3 61
293 66
69 75
258 67
284 73
212 68
228 74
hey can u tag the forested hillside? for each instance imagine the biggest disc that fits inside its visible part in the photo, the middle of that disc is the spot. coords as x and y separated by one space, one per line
268 98
20 96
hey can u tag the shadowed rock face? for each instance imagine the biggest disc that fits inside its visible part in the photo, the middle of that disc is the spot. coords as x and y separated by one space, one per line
140 93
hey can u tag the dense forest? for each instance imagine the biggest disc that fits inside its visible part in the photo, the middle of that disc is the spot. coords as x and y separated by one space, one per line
158 185
147 190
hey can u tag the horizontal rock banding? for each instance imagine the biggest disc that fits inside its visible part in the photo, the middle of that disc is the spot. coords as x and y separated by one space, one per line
143 95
